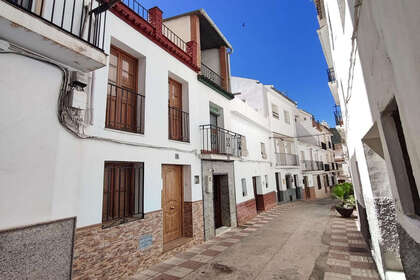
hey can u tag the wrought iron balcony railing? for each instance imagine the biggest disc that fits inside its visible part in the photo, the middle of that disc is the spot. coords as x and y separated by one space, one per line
217 140
310 165
331 75
286 159
319 165
124 109
211 75
179 124
338 116
168 33
75 17
137 8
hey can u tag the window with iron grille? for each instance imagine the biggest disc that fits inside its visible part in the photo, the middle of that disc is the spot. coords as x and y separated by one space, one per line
123 193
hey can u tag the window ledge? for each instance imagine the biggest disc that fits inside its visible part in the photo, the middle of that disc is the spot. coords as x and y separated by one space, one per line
123 132
122 221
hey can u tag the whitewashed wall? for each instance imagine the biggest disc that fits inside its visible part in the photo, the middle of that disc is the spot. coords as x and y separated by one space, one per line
246 121
56 175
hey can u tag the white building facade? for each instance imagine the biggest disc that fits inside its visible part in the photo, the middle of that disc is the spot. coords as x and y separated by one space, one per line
371 48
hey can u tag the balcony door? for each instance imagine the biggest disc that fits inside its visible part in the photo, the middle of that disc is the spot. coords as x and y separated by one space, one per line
175 110
214 135
121 111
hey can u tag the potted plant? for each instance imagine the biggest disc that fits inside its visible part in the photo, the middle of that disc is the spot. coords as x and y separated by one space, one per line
344 193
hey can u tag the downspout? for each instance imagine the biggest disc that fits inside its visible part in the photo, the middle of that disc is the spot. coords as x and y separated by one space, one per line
229 52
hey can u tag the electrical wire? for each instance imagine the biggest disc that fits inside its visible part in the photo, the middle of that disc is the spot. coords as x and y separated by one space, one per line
62 109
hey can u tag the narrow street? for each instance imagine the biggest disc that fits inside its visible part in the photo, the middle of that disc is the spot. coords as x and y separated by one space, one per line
300 240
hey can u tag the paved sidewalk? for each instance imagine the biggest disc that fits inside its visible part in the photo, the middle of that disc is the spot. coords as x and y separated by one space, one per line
286 242
349 256
183 264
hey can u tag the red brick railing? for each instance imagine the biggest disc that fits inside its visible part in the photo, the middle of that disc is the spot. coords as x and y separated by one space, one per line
151 26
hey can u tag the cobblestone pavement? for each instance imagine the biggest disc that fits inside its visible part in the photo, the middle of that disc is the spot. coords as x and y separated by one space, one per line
235 254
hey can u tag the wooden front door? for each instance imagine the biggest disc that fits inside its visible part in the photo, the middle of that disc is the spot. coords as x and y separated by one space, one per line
172 201
121 108
217 201
175 110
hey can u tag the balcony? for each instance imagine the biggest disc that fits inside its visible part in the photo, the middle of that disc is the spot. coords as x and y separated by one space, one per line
179 124
211 78
284 159
70 32
219 141
310 165
331 75
320 165
149 23
124 109
326 167
338 116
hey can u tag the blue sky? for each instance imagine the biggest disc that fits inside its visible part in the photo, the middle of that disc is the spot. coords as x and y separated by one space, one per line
278 45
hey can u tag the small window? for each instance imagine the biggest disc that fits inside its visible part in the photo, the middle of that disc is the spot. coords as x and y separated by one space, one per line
275 110
244 190
123 193
266 181
286 117
263 152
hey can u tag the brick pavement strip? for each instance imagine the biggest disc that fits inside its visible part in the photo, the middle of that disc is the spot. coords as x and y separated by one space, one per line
348 256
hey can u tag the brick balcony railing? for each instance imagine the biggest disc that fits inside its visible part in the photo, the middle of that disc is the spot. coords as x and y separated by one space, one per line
150 24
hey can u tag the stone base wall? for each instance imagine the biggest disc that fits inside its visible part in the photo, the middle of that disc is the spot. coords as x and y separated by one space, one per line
198 222
323 192
410 254
40 251
287 195
266 201
120 251
299 193
311 191
246 211
364 224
